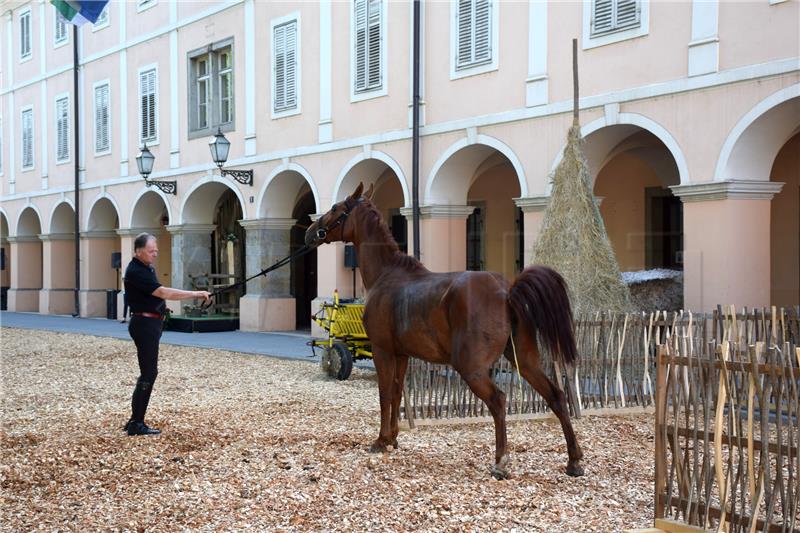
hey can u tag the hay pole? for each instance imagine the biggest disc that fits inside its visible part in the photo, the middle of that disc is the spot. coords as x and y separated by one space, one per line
575 79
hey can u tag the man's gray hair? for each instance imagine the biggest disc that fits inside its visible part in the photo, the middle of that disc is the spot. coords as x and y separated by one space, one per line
141 240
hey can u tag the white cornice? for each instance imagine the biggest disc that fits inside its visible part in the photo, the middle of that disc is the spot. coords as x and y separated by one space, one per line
99 234
727 190
191 228
57 236
23 239
532 204
439 211
268 223
133 232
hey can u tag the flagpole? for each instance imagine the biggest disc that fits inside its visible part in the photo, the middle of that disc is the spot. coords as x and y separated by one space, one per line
76 122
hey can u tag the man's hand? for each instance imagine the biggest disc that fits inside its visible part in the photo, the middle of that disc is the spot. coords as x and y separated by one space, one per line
205 295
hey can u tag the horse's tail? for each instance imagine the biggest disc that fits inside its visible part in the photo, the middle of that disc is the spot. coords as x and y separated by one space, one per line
540 300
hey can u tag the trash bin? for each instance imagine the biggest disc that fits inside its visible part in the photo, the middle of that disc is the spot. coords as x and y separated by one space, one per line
111 304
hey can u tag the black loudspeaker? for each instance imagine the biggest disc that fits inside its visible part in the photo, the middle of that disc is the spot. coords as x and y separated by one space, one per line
116 259
350 259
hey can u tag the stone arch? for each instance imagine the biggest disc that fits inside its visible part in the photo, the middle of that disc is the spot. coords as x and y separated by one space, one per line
464 157
598 155
752 145
206 191
29 222
4 228
62 217
284 184
363 167
103 214
146 211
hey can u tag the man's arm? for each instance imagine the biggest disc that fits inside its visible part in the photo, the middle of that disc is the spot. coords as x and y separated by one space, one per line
168 293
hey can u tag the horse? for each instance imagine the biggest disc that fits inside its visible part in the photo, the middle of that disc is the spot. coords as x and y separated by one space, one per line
464 319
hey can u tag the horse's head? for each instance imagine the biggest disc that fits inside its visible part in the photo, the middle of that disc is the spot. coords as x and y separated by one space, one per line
335 225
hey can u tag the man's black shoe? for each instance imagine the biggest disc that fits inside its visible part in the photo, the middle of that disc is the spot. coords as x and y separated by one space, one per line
140 428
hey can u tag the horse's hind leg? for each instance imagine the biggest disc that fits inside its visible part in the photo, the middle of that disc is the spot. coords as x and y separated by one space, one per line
481 384
400 367
555 398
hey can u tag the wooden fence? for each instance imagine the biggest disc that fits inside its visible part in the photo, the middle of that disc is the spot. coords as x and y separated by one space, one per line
727 431
616 369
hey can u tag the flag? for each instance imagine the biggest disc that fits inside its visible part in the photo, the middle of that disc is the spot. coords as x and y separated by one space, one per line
80 12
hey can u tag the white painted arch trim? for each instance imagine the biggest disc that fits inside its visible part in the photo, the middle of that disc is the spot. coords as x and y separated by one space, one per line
634 119
288 167
364 156
211 179
91 208
468 141
793 91
19 217
64 200
144 190
8 221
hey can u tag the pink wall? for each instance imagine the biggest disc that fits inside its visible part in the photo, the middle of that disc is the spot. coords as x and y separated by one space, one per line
785 226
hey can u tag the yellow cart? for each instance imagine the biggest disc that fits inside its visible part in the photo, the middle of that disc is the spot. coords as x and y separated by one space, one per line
347 340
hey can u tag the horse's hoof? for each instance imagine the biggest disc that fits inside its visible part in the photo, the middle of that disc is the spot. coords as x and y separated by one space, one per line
377 447
394 444
499 473
574 469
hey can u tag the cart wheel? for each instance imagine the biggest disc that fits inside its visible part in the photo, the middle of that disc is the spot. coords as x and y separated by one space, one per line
340 361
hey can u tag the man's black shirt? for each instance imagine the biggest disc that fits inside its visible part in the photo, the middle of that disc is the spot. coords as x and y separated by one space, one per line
140 282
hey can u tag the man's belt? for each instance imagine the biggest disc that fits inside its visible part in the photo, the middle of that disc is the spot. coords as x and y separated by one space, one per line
149 315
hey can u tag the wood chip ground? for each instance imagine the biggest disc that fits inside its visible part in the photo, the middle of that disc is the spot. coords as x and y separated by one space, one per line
253 442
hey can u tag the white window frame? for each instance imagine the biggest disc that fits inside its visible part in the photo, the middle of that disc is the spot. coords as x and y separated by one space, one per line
100 24
641 30
144 5
96 86
59 98
22 111
59 20
297 109
156 140
482 68
213 52
384 89
25 13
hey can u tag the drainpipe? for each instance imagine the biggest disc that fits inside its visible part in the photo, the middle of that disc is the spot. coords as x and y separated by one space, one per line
77 312
415 134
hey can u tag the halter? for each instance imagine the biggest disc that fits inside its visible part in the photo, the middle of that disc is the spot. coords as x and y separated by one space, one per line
348 208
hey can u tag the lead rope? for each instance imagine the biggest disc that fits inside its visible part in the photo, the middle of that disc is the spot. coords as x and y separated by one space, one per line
516 363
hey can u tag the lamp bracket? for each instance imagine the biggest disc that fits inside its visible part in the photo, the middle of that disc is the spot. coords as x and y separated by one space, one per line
168 187
244 177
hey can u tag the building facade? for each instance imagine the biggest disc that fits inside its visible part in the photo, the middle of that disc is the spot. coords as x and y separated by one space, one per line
690 113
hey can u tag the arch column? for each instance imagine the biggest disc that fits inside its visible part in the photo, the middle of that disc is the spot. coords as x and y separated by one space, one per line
268 304
533 208
57 296
443 233
726 249
191 252
97 276
26 273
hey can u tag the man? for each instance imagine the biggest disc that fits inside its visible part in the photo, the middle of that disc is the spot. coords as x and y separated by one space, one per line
146 297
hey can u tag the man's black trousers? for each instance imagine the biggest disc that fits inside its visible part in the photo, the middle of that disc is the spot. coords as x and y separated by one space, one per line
146 334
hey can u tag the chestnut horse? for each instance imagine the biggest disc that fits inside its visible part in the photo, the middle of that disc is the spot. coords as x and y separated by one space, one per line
464 319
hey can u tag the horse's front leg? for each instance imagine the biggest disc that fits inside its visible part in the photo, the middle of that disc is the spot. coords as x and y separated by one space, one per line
401 365
385 367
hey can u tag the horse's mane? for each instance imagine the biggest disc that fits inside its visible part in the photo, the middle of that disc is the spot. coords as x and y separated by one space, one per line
374 219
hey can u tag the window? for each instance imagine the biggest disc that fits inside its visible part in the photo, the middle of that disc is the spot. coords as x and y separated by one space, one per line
284 66
148 106
141 5
61 28
610 16
473 31
25 34
102 20
62 129
102 140
27 138
368 33
610 21
1 146
211 89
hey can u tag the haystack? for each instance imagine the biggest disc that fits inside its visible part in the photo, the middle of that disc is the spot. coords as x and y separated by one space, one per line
573 238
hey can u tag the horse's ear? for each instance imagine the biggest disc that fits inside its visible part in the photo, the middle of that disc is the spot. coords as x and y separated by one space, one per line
357 193
370 191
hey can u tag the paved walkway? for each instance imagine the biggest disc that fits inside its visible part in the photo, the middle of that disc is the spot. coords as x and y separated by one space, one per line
286 345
